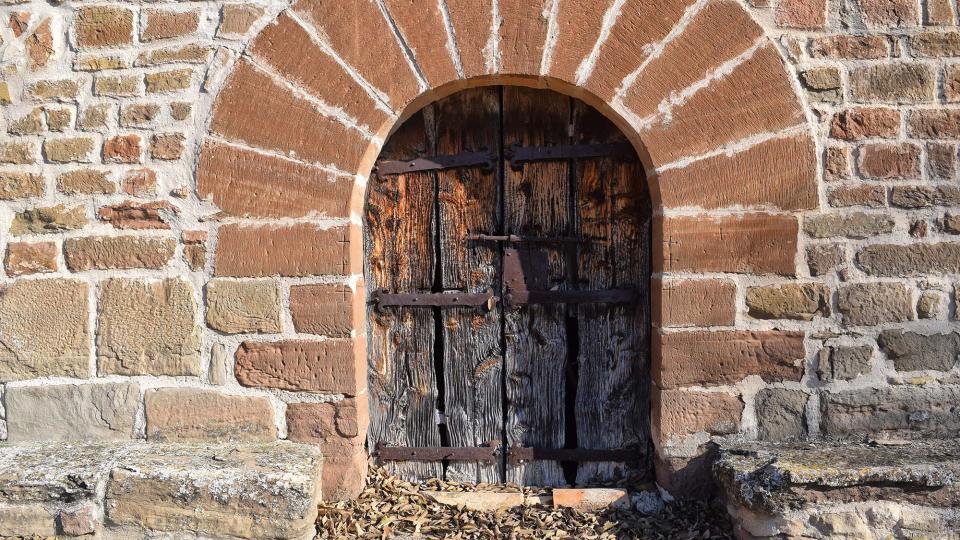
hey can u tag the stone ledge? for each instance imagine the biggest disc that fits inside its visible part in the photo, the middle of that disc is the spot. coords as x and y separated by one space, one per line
135 489
821 490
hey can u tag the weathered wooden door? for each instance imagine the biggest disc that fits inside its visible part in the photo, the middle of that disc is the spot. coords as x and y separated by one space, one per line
507 263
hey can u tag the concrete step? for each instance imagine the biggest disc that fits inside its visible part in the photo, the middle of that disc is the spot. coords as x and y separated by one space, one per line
842 489
134 490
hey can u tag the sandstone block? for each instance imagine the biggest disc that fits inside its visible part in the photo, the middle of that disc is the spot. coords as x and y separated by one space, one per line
69 412
678 413
44 330
844 363
165 24
72 149
85 182
930 305
62 90
140 183
836 163
886 161
850 47
855 225
911 351
344 477
325 310
862 195
935 44
104 26
295 250
591 499
139 114
26 521
117 252
236 307
20 185
799 301
80 520
935 124
116 85
166 146
823 258
187 54
50 219
217 491
910 260
148 328
865 122
941 160
132 215
338 428
924 196
781 414
24 258
694 302
301 366
890 13
868 304
893 412
803 14
17 152
122 149
899 82
481 502
717 358
194 414
236 19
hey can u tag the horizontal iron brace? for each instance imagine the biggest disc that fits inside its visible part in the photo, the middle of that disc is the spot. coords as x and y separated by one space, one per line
458 299
521 454
518 155
435 453
610 296
437 163
514 239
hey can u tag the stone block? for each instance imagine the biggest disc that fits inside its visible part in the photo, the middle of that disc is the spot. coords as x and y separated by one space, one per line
326 310
844 363
301 366
855 225
236 307
913 259
868 304
26 521
44 329
912 351
49 219
148 328
823 258
25 258
69 412
799 301
893 412
117 252
710 302
781 414
194 414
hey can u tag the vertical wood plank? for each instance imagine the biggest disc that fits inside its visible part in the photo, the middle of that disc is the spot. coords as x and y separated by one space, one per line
612 402
537 202
399 231
469 202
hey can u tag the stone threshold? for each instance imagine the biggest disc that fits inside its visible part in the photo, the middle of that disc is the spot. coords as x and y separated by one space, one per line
137 490
582 499
898 489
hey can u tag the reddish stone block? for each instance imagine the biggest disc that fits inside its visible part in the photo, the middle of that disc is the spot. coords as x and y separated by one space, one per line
246 183
886 161
638 25
377 57
847 47
802 14
338 428
24 258
122 149
688 302
117 252
703 46
935 124
194 414
314 70
523 34
140 183
757 97
865 122
165 24
890 13
726 357
861 195
472 21
103 26
779 173
678 413
294 250
302 366
429 47
748 244
132 215
256 110
579 23
326 310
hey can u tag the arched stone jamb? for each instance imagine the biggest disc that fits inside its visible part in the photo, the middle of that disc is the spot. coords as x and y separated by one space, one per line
704 96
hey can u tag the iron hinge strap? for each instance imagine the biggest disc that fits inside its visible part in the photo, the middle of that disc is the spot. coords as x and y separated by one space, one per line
436 163
458 299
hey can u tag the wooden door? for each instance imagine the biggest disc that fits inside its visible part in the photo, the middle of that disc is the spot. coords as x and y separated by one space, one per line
508 193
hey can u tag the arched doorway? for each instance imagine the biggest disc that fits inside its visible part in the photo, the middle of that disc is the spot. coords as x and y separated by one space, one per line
507 259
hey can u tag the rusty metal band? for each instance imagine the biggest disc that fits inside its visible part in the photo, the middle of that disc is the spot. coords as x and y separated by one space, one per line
519 155
451 453
436 163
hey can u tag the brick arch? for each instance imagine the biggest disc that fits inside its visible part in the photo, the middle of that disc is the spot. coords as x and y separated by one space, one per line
704 96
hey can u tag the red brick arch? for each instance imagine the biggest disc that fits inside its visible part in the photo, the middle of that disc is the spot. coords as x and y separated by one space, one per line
704 96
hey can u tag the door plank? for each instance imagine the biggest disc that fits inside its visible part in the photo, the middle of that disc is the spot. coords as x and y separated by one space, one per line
469 202
612 400
537 202
402 381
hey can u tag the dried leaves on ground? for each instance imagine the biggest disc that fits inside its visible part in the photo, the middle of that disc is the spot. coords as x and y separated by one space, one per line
390 508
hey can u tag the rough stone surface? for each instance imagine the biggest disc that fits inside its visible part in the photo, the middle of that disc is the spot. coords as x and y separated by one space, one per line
911 351
893 83
856 225
97 412
910 260
300 366
297 250
865 304
800 301
117 252
19 185
844 363
694 302
44 330
781 414
823 258
25 258
891 412
325 310
50 219
236 307
148 328
194 414
679 413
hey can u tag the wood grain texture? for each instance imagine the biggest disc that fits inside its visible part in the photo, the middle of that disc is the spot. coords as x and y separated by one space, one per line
537 202
468 202
612 398
402 380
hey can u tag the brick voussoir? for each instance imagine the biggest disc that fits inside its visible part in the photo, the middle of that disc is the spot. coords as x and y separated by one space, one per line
702 358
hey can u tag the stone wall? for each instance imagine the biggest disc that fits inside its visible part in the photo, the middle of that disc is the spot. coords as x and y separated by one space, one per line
177 270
